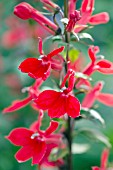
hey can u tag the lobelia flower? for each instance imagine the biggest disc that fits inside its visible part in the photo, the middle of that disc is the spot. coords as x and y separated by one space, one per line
103 66
33 93
104 159
26 11
74 17
96 94
34 142
59 103
87 8
39 68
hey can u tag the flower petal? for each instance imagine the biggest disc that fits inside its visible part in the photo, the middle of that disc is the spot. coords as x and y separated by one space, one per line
24 154
20 136
17 104
95 168
87 6
52 127
39 152
73 107
55 52
104 158
100 18
40 49
92 52
42 72
106 99
59 107
34 149
46 99
91 96
105 67
35 126
30 65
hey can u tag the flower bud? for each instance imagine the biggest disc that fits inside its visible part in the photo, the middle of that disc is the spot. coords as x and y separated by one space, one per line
23 10
74 17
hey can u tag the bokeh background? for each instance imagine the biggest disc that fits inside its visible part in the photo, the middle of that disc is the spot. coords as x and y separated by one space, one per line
18 40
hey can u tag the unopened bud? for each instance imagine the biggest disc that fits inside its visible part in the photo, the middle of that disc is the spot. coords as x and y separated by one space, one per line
74 17
23 10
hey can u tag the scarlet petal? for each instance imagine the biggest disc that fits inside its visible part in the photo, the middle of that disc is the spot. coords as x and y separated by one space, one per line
55 52
35 149
92 54
105 67
39 152
40 46
95 168
58 108
46 99
87 6
35 126
100 18
36 68
104 158
106 99
84 5
73 107
17 104
20 136
24 154
30 65
53 126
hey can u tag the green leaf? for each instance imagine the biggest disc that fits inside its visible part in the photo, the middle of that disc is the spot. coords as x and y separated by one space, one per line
95 136
73 55
76 36
81 75
85 36
79 148
57 154
93 115
56 38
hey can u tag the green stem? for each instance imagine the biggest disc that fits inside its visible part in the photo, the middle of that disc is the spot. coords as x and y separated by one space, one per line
69 127
69 137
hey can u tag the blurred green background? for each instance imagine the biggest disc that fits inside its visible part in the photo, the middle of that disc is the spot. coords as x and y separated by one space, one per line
12 81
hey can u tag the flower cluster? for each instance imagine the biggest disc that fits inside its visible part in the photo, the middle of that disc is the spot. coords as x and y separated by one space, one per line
61 103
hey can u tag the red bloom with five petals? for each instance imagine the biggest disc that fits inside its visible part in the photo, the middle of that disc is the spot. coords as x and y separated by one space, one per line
39 68
34 142
59 103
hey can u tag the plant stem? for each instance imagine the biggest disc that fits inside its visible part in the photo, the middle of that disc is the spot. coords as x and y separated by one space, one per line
69 137
69 127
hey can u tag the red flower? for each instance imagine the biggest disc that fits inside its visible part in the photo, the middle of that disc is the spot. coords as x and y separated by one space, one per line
34 142
103 66
39 68
26 11
104 159
59 103
87 8
96 94
74 17
33 93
